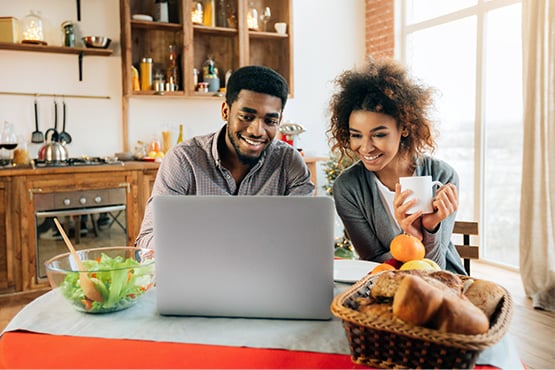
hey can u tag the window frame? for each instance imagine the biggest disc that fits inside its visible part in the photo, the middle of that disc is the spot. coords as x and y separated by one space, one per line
479 10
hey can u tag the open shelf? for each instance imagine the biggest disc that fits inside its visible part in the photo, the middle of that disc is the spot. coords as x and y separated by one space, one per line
55 49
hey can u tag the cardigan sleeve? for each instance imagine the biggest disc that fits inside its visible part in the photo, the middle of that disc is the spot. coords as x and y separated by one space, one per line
356 206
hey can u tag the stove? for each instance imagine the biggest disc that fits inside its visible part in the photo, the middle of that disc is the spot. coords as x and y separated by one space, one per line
78 162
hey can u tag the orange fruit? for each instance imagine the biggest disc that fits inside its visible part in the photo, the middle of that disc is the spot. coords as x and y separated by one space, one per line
382 267
406 247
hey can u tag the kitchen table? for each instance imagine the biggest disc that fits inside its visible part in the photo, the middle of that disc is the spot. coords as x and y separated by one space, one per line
48 333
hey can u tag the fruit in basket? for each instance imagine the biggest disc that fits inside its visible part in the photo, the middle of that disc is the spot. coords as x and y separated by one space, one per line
416 265
422 264
393 262
432 263
406 248
382 267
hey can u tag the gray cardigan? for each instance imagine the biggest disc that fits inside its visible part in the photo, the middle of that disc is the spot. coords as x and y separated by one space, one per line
367 222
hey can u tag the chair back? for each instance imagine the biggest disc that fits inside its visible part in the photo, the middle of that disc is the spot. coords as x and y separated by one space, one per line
467 251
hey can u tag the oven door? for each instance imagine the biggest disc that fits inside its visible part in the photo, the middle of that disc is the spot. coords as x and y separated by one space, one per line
90 227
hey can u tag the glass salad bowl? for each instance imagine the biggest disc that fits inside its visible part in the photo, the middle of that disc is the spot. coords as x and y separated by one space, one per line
120 276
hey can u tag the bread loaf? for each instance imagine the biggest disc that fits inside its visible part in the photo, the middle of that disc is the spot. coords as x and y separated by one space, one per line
458 315
485 295
416 301
387 283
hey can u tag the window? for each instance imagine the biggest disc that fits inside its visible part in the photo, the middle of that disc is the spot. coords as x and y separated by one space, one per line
470 52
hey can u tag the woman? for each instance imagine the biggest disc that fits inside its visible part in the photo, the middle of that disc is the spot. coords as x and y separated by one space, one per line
379 116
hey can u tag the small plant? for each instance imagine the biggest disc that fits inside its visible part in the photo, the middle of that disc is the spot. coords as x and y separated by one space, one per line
332 169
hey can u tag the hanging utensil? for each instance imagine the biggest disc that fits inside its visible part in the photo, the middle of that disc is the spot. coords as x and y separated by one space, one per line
55 135
37 136
86 283
65 137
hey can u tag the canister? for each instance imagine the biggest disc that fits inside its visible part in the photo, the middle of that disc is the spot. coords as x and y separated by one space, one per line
9 31
69 36
146 74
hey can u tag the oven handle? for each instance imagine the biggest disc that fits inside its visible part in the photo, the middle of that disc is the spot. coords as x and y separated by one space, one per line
80 211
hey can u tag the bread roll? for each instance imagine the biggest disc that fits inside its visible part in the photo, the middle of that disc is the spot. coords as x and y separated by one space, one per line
449 279
376 309
485 295
416 301
458 315
387 283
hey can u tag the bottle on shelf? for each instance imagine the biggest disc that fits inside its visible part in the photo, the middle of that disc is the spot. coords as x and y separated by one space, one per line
221 16
146 74
180 136
209 14
231 14
135 83
210 75
172 72
252 17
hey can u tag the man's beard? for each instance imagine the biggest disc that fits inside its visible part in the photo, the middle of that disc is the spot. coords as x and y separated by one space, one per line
245 159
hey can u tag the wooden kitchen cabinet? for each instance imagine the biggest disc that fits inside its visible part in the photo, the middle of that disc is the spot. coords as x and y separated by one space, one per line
230 47
66 182
9 248
18 235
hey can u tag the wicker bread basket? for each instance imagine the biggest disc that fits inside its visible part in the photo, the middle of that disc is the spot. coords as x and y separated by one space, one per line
382 342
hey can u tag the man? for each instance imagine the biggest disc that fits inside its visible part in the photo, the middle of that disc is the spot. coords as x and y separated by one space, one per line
242 157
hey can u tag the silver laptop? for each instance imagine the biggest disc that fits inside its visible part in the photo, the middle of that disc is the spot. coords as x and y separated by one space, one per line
244 256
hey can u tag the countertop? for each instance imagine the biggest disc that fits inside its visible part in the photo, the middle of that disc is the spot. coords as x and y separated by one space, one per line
29 171
126 166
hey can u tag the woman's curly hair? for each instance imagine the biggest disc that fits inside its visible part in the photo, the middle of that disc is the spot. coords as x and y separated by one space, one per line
383 87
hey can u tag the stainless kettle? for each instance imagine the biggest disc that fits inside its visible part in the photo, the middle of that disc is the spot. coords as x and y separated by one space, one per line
53 152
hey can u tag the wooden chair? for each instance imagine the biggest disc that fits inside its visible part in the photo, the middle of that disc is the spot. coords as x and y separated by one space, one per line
467 251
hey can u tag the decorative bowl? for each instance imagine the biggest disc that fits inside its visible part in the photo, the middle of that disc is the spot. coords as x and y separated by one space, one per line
120 274
99 42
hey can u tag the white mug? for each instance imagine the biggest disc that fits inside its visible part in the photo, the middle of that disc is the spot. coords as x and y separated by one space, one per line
281 27
422 188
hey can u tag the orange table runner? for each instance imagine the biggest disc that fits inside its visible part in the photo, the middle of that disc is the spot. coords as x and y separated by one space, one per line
32 351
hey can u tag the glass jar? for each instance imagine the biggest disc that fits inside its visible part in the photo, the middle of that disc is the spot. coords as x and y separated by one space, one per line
21 153
197 13
172 72
31 29
69 36
159 81
8 142
252 18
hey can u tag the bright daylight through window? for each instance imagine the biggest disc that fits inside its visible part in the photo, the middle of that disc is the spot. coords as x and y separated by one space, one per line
470 51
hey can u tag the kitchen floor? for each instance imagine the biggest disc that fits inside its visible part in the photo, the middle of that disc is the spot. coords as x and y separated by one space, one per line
531 329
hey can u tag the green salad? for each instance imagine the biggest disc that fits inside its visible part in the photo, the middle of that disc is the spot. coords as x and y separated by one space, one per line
120 282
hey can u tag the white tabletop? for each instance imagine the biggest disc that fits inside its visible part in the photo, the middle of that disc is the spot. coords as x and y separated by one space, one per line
51 314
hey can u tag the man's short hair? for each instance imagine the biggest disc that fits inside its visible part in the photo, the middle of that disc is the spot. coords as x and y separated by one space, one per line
259 79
